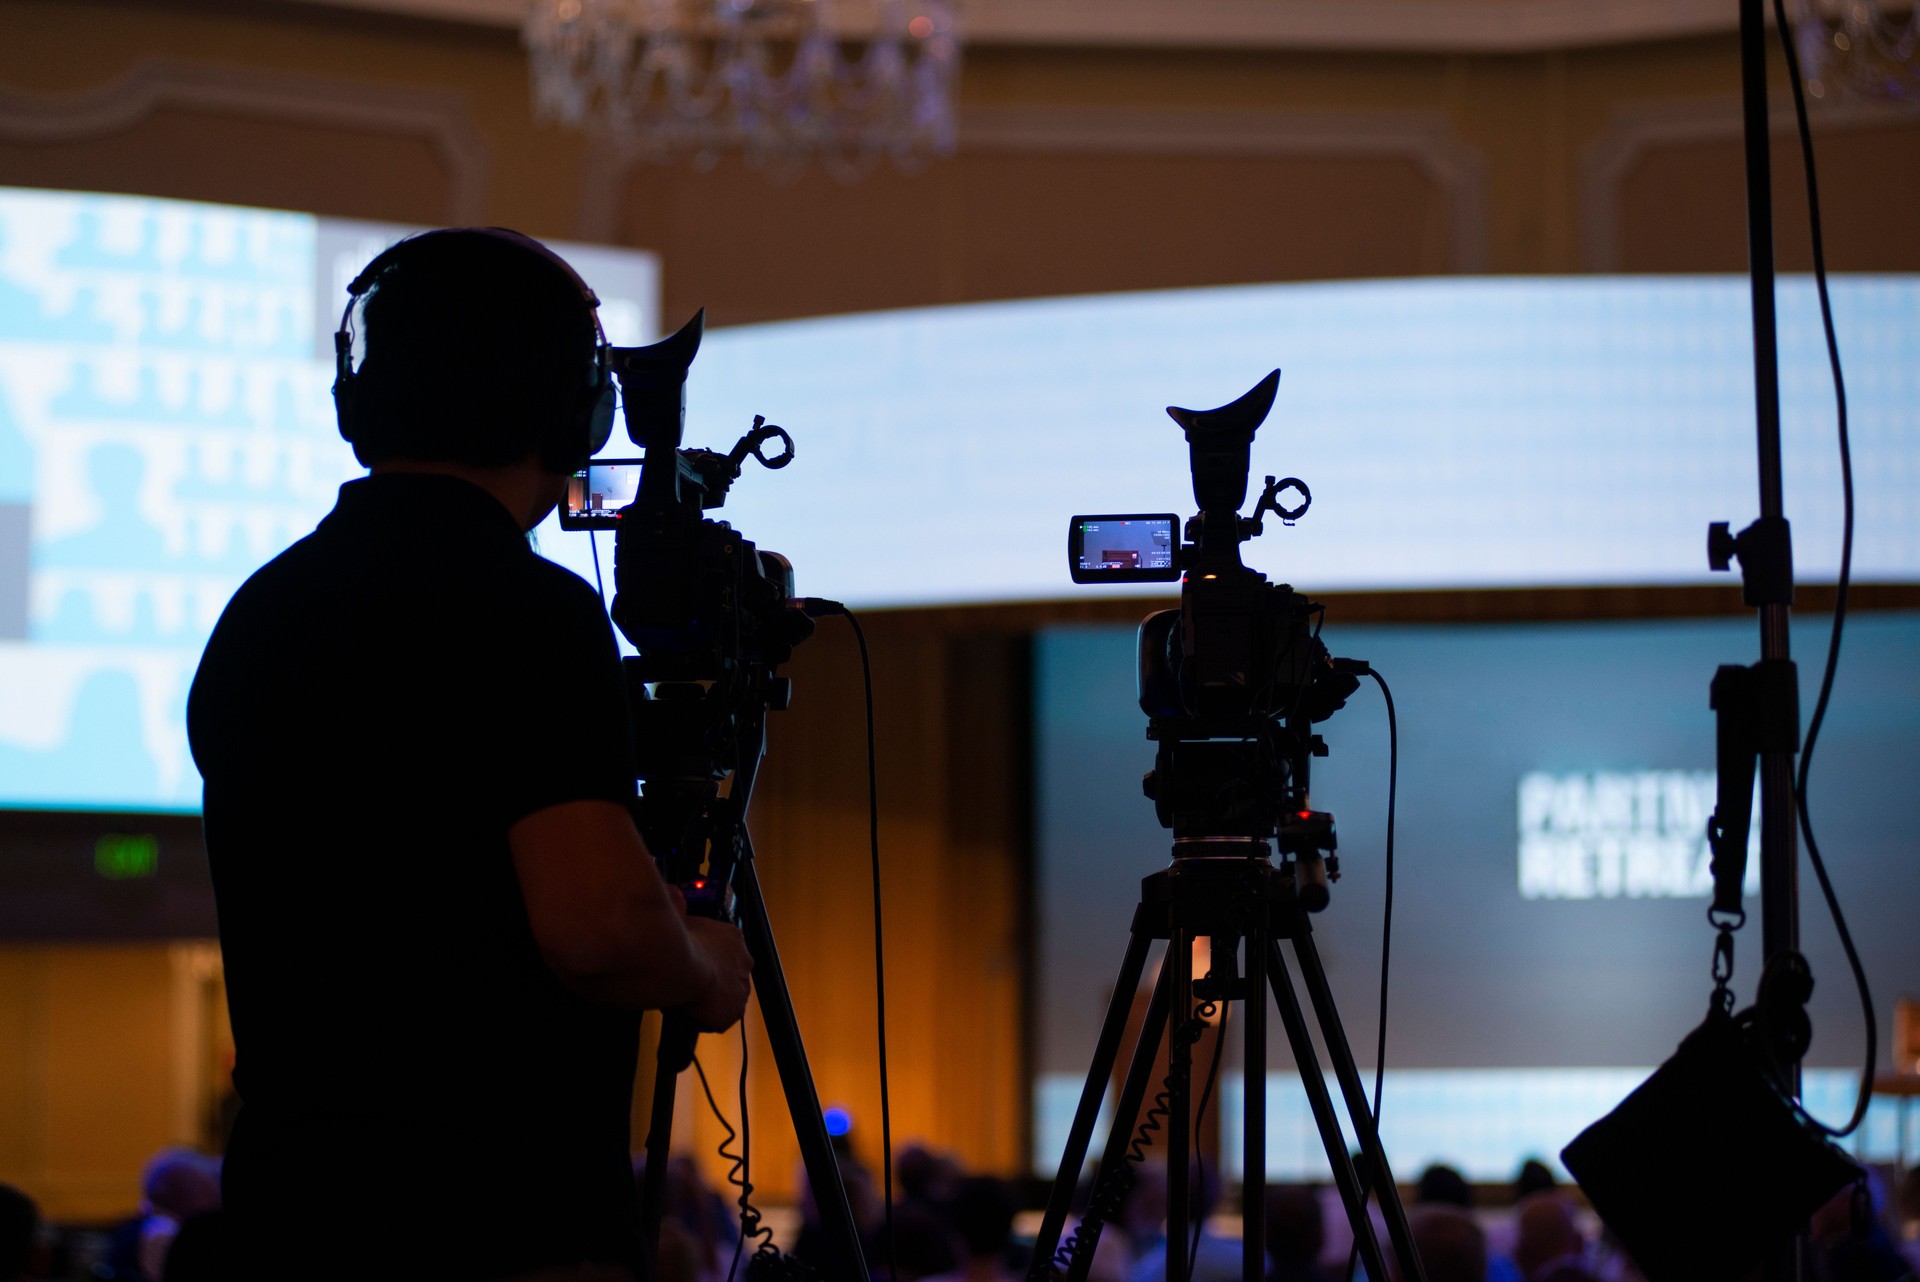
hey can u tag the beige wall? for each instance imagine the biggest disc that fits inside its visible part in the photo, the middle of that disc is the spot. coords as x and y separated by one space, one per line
1081 170
107 1054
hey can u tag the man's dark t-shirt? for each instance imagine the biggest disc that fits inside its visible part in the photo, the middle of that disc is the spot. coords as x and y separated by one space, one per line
377 707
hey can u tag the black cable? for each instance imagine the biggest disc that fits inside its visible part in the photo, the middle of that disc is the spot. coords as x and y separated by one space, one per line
1319 612
768 1262
737 1162
1840 587
1109 1196
1200 1116
879 951
1386 918
594 547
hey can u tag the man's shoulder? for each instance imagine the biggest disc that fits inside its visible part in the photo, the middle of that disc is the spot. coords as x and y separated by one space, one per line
276 588
556 580
542 606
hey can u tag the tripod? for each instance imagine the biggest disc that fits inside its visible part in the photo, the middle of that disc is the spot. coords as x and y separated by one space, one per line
722 823
711 617
1235 896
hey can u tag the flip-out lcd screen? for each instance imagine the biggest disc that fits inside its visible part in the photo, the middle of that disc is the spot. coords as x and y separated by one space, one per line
1123 549
597 492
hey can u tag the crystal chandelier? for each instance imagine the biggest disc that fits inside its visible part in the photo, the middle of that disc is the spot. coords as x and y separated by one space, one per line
1853 48
783 82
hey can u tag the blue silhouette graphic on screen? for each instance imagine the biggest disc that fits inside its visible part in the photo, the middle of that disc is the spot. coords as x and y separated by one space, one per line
26 314
90 246
16 456
16 524
292 409
79 617
158 383
200 390
103 756
243 503
121 538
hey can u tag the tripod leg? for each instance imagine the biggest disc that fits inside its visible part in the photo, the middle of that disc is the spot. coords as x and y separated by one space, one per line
1179 965
796 1079
1307 1061
1106 1049
1344 1071
676 1050
1126 1111
1253 1168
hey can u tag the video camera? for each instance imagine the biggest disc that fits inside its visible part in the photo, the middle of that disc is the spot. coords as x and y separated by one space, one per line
710 615
1232 681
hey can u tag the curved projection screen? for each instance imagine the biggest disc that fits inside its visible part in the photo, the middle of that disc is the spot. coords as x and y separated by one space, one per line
165 428
1453 432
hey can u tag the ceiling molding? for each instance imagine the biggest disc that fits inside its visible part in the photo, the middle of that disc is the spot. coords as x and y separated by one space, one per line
1425 138
1405 26
155 84
1409 26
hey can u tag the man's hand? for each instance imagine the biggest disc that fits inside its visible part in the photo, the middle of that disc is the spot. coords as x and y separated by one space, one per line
611 929
724 950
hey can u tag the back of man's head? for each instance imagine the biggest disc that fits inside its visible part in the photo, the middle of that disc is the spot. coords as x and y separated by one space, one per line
1296 1227
1203 1189
983 1210
1545 1232
1452 1247
1442 1185
479 350
179 1182
1534 1177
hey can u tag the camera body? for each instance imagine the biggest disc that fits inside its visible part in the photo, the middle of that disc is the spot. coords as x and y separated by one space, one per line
1232 681
710 617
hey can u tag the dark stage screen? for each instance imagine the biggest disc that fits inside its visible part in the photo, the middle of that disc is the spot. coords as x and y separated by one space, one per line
1550 942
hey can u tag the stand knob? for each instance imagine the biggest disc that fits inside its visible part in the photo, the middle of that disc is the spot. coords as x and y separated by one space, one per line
1721 546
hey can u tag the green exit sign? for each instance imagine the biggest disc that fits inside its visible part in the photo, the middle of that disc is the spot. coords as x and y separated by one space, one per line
126 857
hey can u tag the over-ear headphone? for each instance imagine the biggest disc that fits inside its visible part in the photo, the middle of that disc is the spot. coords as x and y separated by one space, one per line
580 427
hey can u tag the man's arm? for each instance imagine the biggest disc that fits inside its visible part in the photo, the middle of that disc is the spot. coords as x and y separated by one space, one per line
611 929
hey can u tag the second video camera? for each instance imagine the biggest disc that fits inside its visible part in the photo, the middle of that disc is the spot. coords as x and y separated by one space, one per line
1232 681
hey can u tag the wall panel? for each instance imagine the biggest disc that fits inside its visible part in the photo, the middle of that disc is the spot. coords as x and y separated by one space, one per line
1681 206
107 1055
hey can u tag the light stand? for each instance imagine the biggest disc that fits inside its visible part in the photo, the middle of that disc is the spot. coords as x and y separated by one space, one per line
1757 707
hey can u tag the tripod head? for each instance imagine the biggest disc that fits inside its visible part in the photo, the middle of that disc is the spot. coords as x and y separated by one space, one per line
711 618
1233 680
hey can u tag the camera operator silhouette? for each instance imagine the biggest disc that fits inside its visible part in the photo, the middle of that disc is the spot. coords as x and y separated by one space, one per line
439 921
